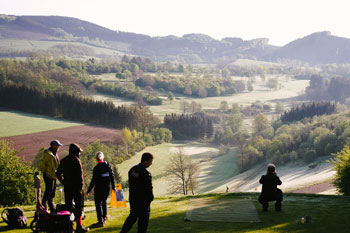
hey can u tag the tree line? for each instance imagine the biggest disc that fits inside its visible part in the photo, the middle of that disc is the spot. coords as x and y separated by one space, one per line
331 89
67 106
308 110
189 126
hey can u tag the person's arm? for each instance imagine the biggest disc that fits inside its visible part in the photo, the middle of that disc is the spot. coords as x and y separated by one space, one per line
78 175
93 181
279 182
59 174
149 187
111 176
261 181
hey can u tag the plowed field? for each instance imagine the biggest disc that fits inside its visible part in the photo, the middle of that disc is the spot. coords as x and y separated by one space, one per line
28 145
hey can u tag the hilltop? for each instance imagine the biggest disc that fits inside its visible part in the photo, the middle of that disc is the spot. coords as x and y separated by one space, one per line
57 34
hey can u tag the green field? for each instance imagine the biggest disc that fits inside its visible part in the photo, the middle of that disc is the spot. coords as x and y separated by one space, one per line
36 45
286 95
14 123
215 170
329 214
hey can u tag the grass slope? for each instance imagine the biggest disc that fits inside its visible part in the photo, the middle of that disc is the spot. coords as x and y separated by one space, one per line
14 123
329 214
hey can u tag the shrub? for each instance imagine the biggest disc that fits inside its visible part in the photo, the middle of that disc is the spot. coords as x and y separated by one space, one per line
16 184
309 156
341 161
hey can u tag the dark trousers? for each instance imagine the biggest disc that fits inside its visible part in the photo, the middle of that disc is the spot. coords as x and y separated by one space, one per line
71 194
101 194
140 213
49 194
276 196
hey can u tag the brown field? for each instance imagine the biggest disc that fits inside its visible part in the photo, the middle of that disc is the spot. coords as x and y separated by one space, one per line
28 145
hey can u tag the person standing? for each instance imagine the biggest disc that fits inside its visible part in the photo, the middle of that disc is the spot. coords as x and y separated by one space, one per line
70 174
102 177
140 195
269 191
48 167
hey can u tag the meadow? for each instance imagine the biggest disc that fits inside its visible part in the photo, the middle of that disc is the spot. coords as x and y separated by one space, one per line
287 94
328 213
37 45
13 123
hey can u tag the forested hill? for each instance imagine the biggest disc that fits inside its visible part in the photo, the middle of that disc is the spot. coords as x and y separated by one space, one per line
317 48
190 48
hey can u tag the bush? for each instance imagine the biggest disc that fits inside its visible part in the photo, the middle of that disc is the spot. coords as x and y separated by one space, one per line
16 184
309 156
148 140
140 145
341 161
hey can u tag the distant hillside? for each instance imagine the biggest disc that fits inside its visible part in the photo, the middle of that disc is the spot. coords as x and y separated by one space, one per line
193 48
317 48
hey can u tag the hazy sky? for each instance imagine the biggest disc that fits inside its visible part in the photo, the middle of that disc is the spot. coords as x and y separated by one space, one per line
279 20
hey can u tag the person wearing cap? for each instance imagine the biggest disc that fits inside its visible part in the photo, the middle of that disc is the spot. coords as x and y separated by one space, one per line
140 195
269 191
102 178
70 174
48 167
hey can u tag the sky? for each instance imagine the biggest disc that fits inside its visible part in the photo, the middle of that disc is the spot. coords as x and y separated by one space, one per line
281 21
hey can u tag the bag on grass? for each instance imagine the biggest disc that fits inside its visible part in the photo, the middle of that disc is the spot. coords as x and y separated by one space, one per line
117 197
14 217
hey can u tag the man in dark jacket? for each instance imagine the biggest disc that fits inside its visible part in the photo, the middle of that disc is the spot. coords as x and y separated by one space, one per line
70 174
269 191
140 195
102 178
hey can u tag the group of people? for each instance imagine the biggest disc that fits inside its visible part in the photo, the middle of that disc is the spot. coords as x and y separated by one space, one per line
69 172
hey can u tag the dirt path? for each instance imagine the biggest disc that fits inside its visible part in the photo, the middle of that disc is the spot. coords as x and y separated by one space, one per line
316 188
29 145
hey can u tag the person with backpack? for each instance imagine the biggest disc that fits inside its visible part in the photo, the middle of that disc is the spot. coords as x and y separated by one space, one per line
102 178
269 191
70 174
48 167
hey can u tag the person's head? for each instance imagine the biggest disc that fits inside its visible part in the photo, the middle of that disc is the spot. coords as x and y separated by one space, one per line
75 149
147 159
100 156
54 145
271 168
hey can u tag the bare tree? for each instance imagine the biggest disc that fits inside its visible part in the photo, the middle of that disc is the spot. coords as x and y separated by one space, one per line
182 173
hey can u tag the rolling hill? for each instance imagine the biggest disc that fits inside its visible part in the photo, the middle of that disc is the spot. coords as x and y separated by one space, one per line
316 48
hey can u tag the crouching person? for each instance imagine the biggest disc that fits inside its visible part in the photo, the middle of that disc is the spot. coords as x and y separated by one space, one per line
102 178
269 191
70 174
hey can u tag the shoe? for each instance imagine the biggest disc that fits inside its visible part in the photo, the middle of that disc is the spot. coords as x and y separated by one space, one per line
81 229
99 224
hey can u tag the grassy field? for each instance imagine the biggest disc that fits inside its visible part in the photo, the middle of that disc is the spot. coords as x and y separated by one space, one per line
329 214
29 45
215 170
289 90
14 123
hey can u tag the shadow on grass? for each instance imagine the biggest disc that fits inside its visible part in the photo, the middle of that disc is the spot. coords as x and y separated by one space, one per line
329 214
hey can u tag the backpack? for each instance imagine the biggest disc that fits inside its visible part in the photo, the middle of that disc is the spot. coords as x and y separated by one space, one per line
15 217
